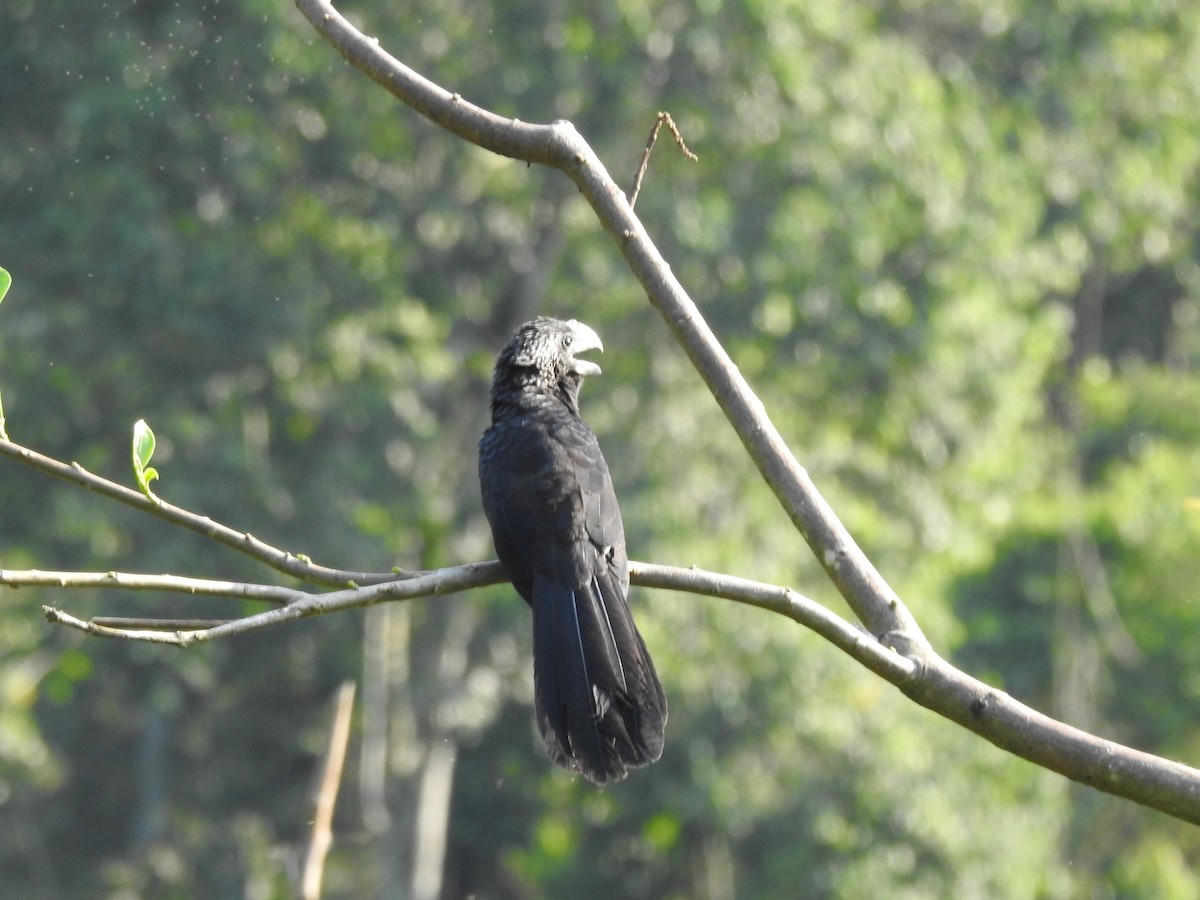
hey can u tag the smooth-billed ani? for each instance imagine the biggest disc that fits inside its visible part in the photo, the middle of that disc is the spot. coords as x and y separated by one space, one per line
557 529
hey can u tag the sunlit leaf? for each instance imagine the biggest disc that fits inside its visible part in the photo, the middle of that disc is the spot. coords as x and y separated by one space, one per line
143 452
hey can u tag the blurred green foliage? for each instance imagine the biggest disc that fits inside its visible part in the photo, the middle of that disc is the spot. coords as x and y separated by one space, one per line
952 244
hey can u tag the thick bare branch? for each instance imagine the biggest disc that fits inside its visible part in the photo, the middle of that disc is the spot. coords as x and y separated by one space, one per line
560 146
934 683
1161 784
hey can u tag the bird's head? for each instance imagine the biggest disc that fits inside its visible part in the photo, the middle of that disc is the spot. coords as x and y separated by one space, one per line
552 346
544 354
543 358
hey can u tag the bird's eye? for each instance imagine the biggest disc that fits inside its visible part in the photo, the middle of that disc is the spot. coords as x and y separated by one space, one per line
568 339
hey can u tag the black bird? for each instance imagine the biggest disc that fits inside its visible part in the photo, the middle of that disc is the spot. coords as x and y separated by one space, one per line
557 529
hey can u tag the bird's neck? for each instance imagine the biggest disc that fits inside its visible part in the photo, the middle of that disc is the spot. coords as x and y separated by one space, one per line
531 396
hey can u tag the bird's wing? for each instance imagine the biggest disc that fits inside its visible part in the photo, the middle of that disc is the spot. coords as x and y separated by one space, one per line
599 700
514 460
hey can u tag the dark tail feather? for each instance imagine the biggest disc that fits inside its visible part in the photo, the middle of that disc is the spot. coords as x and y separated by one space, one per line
599 703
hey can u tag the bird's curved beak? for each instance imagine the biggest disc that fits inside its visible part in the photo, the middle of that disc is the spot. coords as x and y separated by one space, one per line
585 339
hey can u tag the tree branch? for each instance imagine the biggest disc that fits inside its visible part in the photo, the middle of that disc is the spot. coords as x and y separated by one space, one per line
855 642
932 682
433 583
560 146
900 653
1161 784
290 564
267 593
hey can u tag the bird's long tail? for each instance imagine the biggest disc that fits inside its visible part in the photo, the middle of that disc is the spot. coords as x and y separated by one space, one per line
599 703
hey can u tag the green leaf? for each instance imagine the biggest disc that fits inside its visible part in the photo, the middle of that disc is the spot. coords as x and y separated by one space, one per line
3 433
143 451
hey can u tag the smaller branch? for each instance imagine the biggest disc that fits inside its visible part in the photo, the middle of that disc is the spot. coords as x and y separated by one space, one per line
176 638
290 564
437 582
267 593
878 657
660 120
929 680
321 838
132 623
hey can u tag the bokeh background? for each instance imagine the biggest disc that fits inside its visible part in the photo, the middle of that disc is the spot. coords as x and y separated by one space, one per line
952 244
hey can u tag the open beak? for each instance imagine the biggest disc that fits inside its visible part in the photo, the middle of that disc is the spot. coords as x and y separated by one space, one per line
585 340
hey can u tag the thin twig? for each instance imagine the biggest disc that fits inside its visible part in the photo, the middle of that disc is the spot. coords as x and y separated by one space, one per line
135 623
176 638
661 119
